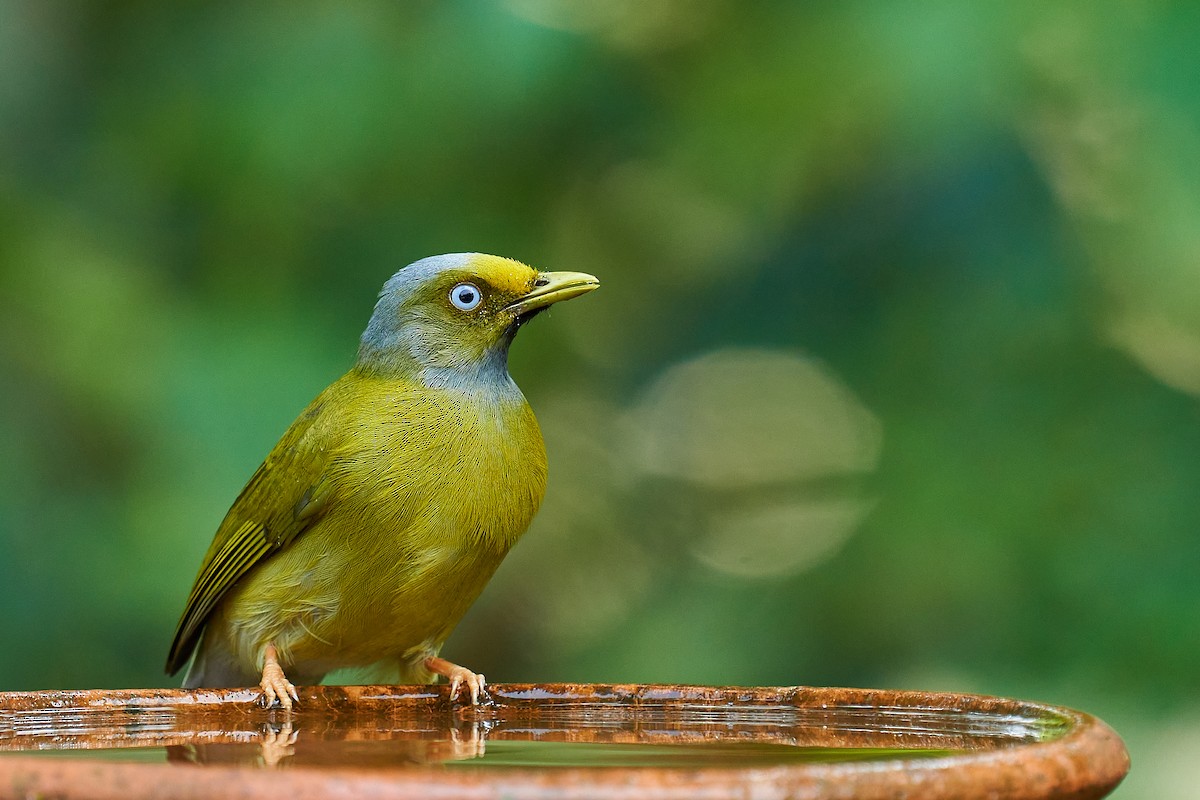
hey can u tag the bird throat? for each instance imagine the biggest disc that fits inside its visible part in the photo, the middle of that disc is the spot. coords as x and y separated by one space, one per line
485 377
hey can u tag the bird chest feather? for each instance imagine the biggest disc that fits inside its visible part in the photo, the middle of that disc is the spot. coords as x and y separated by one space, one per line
468 467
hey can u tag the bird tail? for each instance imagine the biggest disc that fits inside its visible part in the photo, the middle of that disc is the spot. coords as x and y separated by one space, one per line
215 667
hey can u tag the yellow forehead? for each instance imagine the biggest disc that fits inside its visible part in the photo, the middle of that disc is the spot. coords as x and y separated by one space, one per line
504 274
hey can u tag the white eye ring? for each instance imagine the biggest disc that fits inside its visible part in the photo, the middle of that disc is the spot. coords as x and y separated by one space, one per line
466 296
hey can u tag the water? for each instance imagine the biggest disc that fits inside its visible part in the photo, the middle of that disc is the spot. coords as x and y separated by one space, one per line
384 729
497 754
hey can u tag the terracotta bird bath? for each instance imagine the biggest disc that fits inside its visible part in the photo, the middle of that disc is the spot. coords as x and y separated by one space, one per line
552 740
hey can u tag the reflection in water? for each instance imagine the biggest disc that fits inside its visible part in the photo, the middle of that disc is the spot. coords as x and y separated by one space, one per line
386 728
277 744
285 744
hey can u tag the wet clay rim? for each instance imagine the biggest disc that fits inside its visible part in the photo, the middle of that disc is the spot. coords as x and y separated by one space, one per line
1088 761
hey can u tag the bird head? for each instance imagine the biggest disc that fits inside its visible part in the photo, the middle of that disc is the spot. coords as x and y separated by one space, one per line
451 318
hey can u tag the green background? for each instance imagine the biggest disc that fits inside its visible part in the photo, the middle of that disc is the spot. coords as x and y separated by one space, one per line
892 379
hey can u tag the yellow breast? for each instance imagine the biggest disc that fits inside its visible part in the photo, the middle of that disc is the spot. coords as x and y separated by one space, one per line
472 462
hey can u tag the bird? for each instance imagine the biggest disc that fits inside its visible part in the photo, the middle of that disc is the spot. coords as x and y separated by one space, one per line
382 512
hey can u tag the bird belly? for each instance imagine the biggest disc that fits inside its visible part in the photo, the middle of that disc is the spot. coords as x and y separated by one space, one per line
395 595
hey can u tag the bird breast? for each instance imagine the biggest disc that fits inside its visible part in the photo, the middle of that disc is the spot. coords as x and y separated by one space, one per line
457 467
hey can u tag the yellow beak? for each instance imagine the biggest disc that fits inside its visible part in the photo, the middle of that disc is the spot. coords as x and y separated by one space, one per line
551 287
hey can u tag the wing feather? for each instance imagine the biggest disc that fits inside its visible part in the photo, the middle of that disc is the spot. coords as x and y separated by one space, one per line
275 507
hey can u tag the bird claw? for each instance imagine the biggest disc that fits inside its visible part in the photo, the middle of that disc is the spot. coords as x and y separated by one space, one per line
476 684
460 676
277 688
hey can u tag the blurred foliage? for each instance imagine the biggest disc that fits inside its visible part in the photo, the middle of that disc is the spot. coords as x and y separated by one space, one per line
892 379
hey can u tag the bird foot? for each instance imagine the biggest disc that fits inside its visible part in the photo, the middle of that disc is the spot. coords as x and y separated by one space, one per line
274 684
459 677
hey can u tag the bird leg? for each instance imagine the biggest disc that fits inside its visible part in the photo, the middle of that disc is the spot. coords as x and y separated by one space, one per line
458 676
274 683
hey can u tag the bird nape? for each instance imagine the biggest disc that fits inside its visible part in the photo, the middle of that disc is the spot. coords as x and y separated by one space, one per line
382 512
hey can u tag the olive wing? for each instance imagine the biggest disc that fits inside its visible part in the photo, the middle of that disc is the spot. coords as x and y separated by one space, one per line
284 497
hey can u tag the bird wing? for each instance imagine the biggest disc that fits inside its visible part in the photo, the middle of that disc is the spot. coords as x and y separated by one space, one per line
286 495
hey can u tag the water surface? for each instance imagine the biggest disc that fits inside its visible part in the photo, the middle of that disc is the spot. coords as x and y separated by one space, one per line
391 728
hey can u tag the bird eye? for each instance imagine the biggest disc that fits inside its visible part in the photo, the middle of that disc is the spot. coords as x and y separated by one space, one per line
465 296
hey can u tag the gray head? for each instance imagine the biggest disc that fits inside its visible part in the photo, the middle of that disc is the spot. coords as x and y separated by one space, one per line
450 318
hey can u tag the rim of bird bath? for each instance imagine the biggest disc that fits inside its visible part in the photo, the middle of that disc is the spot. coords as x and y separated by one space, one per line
1002 749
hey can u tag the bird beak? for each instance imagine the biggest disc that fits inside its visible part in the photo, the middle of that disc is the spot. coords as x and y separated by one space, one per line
551 287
